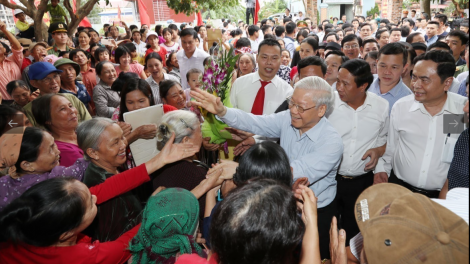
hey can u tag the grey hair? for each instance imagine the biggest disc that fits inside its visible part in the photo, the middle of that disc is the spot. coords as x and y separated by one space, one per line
89 133
324 93
182 122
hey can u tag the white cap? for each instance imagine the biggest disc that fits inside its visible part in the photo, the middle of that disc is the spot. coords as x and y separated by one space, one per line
18 11
152 33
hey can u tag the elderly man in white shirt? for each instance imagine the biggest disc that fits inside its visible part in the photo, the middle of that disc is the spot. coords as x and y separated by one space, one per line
190 56
261 92
418 151
361 118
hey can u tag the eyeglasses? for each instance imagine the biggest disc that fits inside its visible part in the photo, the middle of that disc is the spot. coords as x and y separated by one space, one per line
300 109
351 47
49 80
185 124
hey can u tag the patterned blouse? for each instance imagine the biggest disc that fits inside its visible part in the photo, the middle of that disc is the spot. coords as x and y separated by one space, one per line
81 94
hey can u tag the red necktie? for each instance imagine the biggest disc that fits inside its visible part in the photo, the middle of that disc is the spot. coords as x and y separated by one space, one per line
258 105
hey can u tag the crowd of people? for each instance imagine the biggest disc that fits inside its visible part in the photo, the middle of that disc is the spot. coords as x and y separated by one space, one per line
343 150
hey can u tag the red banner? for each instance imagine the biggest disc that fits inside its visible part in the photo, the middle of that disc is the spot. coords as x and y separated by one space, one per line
144 16
257 8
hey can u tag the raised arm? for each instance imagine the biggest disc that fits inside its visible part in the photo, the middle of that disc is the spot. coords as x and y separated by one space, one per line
15 44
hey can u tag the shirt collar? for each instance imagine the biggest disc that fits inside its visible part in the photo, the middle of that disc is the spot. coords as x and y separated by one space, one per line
395 90
195 54
367 102
105 86
257 78
449 106
314 133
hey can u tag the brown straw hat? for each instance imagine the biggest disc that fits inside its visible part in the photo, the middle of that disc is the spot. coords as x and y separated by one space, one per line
399 226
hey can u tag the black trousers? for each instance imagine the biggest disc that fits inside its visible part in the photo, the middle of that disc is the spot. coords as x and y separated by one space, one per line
29 33
429 193
250 11
325 215
346 196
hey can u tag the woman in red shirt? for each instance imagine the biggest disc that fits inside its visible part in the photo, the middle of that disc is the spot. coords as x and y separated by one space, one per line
44 225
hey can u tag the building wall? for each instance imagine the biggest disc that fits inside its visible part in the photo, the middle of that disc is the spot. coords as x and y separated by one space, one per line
159 11
6 15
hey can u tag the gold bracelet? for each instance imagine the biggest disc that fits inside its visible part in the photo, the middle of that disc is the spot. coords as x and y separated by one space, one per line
324 261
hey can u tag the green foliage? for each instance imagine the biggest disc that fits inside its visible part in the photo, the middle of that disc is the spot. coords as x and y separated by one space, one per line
92 16
191 6
373 11
272 7
234 13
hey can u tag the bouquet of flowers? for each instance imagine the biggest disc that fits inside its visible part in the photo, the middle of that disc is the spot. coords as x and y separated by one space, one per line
217 80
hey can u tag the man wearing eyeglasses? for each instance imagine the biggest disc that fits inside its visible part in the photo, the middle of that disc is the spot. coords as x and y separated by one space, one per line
46 78
313 146
351 46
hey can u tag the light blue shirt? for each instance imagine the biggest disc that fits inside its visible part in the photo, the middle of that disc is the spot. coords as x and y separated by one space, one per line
432 40
315 154
399 91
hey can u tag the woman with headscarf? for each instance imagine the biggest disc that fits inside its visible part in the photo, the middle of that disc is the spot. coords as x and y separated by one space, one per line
168 229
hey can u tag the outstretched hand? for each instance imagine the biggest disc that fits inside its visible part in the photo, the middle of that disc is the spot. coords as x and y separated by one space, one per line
174 152
208 101
229 168
307 204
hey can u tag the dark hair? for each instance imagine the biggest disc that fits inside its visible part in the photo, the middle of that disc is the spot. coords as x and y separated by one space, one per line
385 20
42 213
11 86
166 30
252 30
409 20
99 51
460 34
394 49
442 18
346 25
132 27
331 34
265 208
263 29
173 27
364 25
287 20
168 60
411 36
196 70
396 29
303 33
434 23
370 40
439 44
165 87
279 30
312 61
269 36
236 32
153 55
445 62
189 32
131 85
405 31
361 71
269 42
373 55
290 27
264 160
312 42
6 114
339 53
100 65
62 53
130 46
74 52
295 59
351 37
242 42
122 79
356 20
41 108
158 28
121 51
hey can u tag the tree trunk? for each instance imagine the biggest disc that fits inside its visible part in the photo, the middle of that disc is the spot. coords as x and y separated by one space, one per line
426 7
77 17
457 7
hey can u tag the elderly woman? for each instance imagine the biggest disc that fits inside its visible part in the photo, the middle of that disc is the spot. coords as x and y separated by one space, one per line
59 210
189 172
154 65
160 240
30 157
57 114
106 99
246 65
173 94
103 143
84 40
68 80
21 94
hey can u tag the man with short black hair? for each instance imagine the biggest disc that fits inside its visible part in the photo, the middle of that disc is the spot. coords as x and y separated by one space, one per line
415 157
457 41
288 14
432 32
253 32
369 45
351 46
289 40
334 59
344 19
190 56
442 20
355 24
280 32
413 15
395 35
392 62
365 30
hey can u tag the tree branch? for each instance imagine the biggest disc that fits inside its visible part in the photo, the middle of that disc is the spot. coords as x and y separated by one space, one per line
69 8
457 6
86 8
13 6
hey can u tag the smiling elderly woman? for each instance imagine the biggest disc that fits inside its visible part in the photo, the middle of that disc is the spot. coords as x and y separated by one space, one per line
104 144
58 115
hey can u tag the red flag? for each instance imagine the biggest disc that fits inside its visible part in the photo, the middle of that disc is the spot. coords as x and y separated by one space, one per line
119 13
85 22
144 16
257 8
199 19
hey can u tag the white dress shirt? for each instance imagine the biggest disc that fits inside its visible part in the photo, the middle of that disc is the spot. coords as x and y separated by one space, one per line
186 64
254 45
245 89
416 142
156 87
361 129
